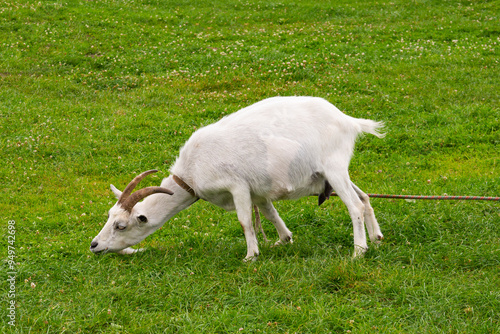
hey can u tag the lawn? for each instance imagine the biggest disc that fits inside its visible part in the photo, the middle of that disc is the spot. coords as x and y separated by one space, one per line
95 92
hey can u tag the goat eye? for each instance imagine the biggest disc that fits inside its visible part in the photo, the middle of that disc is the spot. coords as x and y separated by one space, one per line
120 227
142 219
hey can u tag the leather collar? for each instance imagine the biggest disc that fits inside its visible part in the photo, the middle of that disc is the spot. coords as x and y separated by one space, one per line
184 185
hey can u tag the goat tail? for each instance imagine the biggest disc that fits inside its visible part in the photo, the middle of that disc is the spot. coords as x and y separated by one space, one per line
372 127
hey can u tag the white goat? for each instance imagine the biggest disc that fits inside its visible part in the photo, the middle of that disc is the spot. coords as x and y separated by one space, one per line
279 148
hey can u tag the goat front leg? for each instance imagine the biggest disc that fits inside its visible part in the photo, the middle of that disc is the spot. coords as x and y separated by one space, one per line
269 211
258 223
243 205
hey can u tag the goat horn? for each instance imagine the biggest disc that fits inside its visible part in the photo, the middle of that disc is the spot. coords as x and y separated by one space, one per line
133 199
128 190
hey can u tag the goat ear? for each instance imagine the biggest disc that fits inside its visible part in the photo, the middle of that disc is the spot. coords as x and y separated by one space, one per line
115 191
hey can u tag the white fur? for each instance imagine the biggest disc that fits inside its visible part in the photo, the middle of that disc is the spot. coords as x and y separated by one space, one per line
279 148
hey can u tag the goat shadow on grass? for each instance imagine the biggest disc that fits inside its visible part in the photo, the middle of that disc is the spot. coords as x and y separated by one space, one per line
226 255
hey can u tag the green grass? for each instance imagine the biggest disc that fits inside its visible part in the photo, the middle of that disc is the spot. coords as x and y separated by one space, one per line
94 92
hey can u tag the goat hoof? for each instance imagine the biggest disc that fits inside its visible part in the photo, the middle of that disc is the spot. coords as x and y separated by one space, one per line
251 258
359 252
284 241
376 239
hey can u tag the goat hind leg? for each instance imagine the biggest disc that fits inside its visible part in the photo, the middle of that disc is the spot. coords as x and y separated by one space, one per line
342 186
371 222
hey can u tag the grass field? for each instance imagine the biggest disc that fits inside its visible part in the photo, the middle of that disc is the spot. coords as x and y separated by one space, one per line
94 92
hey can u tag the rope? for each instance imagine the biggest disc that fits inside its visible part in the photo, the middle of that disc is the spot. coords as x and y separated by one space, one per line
470 198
